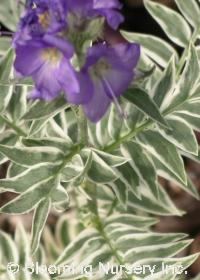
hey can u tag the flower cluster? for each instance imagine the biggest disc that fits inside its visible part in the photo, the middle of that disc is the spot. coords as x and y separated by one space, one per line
64 45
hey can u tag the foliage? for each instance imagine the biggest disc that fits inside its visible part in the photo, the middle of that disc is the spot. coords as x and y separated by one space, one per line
109 183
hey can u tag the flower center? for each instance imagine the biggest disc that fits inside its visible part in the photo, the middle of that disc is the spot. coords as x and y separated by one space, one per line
99 69
44 19
51 55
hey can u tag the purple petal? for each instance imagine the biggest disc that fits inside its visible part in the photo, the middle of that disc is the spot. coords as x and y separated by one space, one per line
46 83
80 6
35 94
118 82
28 59
98 104
51 79
114 18
124 58
64 46
85 92
94 53
124 55
66 77
105 4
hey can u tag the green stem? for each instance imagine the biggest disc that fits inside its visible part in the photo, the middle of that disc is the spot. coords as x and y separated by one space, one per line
96 221
75 151
128 136
19 131
82 127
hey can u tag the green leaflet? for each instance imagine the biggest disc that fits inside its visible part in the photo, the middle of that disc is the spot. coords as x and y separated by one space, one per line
190 10
144 103
22 244
81 176
164 151
187 81
171 22
121 191
5 74
111 159
135 240
135 116
5 43
60 199
73 248
128 179
6 65
101 130
8 249
8 138
31 156
28 200
193 157
18 104
167 251
165 84
150 204
165 172
40 216
97 165
39 196
190 108
156 48
20 248
198 52
130 219
73 169
10 10
66 229
116 238
28 178
2 125
191 120
181 135
115 123
65 145
14 170
44 109
142 165
100 171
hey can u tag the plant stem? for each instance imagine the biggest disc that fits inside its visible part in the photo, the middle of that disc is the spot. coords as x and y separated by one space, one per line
128 136
96 221
82 127
19 131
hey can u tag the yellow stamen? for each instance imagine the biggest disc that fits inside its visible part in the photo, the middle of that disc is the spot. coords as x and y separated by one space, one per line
100 68
44 19
51 55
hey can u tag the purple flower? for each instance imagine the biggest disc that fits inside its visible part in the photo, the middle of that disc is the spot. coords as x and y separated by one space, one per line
43 52
50 69
41 18
109 9
110 71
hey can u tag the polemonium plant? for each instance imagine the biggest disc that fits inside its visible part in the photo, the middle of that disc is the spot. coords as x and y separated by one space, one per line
90 117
